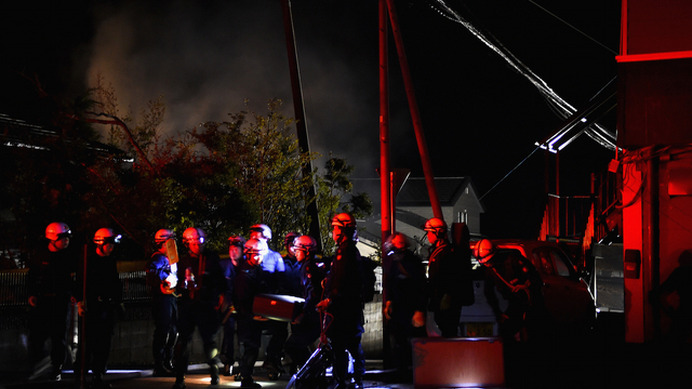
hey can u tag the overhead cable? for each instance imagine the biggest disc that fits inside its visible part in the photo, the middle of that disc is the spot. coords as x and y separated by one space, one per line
561 107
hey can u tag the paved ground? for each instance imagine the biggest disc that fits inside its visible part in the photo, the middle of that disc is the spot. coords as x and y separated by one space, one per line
197 378
604 361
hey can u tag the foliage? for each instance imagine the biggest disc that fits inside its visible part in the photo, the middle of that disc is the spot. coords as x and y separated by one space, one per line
333 188
220 176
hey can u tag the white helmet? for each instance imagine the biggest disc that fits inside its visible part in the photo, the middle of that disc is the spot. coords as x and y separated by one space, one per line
193 234
57 230
264 229
106 235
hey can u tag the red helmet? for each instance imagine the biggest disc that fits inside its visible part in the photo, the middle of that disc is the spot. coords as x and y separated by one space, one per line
236 240
193 234
105 236
435 224
398 241
163 235
305 242
253 247
484 250
344 220
290 238
57 230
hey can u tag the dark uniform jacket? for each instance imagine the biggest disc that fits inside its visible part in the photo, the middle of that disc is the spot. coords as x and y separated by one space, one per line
445 277
344 289
405 286
50 276
249 281
201 279
103 284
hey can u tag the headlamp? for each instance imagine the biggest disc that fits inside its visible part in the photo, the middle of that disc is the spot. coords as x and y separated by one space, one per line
110 240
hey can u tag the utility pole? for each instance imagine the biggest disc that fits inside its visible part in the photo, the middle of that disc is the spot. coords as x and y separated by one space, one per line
301 126
415 114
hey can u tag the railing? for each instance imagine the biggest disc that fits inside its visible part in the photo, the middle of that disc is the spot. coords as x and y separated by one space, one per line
565 217
13 287
570 216
134 286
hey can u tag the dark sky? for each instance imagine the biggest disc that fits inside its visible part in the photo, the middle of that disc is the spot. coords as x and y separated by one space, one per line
481 117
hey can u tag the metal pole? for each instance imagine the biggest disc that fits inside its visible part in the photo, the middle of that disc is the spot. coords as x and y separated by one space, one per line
301 125
385 169
392 202
82 327
415 115
385 180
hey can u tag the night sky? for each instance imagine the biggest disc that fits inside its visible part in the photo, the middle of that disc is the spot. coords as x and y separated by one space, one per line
205 58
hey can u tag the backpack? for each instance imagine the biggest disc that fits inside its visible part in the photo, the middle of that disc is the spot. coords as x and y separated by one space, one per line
367 268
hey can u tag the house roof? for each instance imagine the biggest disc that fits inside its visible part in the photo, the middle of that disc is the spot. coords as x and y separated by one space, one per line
414 191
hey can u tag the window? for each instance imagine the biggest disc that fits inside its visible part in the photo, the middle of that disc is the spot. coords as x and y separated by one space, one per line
550 261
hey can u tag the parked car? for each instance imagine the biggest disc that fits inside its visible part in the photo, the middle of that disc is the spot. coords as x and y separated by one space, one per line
568 300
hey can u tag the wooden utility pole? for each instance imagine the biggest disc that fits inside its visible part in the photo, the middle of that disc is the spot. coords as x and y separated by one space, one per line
301 125
415 114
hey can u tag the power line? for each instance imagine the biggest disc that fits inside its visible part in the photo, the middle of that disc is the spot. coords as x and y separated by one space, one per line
509 173
572 27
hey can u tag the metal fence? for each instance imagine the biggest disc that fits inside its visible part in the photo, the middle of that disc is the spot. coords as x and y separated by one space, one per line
13 287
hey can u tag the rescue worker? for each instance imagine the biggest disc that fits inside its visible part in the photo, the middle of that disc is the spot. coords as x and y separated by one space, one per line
229 266
445 272
162 279
679 284
201 289
306 326
249 282
99 307
405 304
518 282
272 261
287 283
50 288
344 301
273 264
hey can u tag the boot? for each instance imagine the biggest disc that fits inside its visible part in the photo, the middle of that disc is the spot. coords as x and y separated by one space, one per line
160 370
99 383
56 373
214 373
249 383
179 384
272 369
